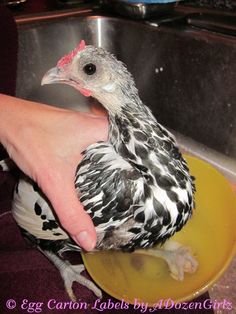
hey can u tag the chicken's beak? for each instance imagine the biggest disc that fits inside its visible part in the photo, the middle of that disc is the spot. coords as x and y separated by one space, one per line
54 75
59 75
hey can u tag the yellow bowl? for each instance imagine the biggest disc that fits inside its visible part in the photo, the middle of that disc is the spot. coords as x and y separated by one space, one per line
211 235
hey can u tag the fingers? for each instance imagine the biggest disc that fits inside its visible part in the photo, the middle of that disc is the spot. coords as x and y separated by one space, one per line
75 220
71 213
77 223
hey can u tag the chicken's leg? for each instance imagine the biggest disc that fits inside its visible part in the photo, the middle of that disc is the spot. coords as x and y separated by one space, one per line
71 273
178 258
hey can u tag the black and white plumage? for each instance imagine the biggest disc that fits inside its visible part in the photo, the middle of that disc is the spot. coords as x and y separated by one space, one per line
136 186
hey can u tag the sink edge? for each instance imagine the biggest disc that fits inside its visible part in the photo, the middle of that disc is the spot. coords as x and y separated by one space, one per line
225 164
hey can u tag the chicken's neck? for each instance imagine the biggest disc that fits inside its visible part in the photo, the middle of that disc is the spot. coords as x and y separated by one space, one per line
131 123
119 99
131 130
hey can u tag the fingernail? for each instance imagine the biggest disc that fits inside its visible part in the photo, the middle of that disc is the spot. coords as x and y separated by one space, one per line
84 240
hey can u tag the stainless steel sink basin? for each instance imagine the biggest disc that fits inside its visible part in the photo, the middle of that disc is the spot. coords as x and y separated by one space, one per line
185 75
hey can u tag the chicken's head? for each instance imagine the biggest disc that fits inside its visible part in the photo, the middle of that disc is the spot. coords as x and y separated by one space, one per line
94 72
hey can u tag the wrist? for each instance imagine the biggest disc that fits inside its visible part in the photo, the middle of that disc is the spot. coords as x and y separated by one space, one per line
15 114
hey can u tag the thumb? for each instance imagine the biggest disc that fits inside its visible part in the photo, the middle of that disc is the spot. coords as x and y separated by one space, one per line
72 216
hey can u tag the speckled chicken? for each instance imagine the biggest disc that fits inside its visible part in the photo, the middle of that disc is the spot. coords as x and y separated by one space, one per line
136 186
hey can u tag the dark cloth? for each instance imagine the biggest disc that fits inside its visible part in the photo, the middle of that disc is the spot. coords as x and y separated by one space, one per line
8 52
26 276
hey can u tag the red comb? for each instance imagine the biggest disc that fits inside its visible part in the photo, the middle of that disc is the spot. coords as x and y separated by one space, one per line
67 58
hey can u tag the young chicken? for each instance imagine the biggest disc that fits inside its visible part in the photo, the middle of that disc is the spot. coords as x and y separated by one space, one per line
136 186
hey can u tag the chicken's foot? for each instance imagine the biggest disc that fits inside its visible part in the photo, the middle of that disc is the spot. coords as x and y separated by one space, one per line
71 273
178 257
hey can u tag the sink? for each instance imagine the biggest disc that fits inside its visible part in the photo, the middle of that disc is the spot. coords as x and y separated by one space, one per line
184 74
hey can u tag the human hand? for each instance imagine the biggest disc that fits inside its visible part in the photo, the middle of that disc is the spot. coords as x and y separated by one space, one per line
46 143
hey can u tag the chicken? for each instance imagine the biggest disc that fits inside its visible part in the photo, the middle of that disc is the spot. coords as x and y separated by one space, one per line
136 186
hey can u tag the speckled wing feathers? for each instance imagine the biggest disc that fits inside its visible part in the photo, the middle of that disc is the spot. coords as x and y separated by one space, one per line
110 189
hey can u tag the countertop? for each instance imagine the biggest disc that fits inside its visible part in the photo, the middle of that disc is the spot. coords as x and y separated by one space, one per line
41 6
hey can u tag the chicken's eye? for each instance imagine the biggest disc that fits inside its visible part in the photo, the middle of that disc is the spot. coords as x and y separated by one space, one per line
89 69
